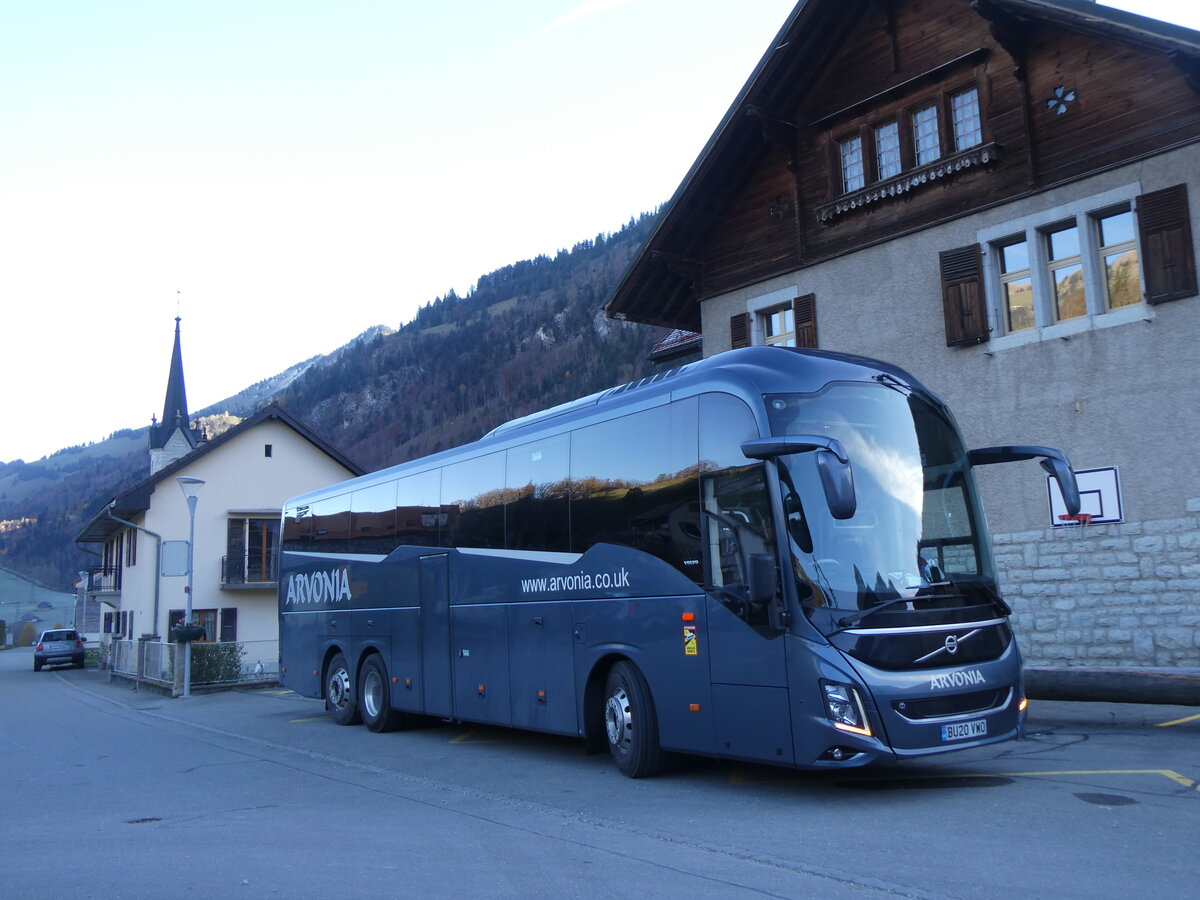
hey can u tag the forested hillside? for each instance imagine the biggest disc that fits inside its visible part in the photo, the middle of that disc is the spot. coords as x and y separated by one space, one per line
530 335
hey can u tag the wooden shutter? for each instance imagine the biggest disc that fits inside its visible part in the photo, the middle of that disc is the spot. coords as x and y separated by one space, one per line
963 297
1165 231
739 330
804 310
228 624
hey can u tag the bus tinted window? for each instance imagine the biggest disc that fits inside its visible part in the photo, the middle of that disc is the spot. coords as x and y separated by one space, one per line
418 512
295 528
329 525
537 515
373 519
725 422
473 502
634 483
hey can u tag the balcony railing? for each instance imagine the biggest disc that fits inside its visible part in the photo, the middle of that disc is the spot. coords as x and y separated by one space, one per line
253 571
104 579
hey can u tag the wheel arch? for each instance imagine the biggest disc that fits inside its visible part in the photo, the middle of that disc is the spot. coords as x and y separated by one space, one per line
594 738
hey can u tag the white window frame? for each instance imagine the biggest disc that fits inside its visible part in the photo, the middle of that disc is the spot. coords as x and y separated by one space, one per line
1035 227
763 305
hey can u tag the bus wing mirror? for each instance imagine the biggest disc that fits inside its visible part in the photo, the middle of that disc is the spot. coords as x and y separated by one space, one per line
837 478
833 465
1055 462
761 578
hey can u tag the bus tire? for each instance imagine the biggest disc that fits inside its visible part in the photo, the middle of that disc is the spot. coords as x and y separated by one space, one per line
375 697
339 693
630 722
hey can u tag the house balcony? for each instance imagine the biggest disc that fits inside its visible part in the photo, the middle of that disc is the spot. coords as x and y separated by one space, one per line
104 580
254 572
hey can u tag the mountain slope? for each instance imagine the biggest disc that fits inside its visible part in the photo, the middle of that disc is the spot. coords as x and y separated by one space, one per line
528 336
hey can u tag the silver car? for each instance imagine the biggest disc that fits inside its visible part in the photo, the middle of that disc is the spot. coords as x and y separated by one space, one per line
57 647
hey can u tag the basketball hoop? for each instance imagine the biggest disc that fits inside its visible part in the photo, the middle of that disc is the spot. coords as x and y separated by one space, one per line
1082 519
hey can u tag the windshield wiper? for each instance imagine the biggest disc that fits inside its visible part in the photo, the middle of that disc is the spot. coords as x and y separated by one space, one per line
846 621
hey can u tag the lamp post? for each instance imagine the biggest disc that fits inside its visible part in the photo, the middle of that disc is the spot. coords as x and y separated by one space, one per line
191 490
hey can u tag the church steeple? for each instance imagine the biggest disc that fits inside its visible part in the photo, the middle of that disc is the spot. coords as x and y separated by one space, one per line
172 436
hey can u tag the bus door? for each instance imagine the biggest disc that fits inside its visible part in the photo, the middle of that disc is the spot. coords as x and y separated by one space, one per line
436 675
751 711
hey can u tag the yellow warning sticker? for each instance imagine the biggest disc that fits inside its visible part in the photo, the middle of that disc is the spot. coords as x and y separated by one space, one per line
689 640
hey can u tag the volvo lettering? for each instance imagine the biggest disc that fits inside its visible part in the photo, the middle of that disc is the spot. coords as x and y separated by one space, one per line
772 555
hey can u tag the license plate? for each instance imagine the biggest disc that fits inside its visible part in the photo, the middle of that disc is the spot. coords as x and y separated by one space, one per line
962 730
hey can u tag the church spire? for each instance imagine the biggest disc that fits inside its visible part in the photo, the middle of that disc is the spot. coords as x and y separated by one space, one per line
174 419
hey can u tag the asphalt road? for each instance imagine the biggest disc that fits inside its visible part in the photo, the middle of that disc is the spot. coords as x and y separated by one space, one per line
112 793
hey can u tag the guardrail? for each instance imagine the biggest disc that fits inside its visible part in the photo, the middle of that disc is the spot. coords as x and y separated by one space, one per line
215 664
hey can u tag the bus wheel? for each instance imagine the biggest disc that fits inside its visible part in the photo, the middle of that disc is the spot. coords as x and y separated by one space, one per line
630 722
375 697
339 693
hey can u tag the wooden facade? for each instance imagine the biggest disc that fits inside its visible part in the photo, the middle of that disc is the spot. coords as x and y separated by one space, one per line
1060 94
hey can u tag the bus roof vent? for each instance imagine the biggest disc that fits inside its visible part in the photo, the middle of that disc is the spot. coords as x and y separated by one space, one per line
642 382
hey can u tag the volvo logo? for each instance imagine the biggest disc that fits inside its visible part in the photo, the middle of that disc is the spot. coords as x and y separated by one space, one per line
949 645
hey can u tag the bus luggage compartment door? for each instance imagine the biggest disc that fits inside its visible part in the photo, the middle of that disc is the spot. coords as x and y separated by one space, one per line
436 675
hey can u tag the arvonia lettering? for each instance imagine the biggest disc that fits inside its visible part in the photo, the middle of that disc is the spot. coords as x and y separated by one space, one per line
330 586
961 678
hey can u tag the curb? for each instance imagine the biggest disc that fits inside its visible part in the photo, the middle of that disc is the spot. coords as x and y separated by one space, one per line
1172 687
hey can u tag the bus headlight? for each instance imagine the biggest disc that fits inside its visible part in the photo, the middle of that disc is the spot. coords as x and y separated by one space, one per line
844 707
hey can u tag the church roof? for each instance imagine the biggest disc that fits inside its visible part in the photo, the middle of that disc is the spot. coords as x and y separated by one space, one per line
175 408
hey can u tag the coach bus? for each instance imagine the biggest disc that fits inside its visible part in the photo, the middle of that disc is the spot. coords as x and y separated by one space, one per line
772 555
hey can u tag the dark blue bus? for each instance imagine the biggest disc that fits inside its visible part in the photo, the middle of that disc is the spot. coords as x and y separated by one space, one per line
773 555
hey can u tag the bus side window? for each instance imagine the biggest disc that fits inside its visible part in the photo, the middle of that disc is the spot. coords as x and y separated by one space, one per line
537 485
295 529
633 482
473 502
738 519
330 525
419 517
373 519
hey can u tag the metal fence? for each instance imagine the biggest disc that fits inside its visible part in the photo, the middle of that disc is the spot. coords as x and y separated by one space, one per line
214 664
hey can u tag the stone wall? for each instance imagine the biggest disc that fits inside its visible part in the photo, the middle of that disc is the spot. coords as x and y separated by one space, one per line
1106 595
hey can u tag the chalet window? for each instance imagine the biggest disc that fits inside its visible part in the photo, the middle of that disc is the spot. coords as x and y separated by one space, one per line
1063 260
908 135
1016 284
1083 265
1118 252
779 327
887 150
927 144
964 112
853 174
789 324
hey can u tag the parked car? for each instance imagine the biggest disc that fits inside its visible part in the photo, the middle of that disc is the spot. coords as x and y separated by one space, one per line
58 646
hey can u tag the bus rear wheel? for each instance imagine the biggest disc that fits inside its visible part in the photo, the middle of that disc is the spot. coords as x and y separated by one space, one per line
375 697
339 693
630 722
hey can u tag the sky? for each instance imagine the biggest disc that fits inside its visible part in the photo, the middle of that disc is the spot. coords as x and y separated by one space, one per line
285 174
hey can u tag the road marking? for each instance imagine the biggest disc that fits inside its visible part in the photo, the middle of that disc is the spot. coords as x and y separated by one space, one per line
1178 721
312 719
738 776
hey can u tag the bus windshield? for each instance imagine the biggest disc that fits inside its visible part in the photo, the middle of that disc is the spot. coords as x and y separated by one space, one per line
916 546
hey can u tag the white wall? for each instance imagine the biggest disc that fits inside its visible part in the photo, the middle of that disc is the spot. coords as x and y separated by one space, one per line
238 476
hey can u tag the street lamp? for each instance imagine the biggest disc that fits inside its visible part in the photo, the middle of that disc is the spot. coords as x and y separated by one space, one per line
191 490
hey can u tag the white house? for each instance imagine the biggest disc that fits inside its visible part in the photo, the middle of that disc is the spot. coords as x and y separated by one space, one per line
247 473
